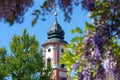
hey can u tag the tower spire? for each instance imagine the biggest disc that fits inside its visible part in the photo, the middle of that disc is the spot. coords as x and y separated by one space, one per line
56 14
53 49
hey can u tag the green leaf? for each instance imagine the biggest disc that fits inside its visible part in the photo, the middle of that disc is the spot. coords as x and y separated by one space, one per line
94 74
80 68
89 27
77 30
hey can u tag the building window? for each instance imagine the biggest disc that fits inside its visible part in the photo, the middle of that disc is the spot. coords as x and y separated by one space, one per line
48 61
49 50
64 79
62 50
62 65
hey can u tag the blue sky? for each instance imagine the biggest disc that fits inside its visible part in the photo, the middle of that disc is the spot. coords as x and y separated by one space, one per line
79 18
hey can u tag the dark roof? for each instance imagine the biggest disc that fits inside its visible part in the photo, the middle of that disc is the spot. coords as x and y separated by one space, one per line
55 33
55 40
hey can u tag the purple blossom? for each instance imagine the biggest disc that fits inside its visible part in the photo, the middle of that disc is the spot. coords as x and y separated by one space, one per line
110 63
87 40
14 10
88 4
85 74
75 66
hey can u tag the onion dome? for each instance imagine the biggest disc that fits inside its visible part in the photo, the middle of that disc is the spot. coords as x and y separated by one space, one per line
55 31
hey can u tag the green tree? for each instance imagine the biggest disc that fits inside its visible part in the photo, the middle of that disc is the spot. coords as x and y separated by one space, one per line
3 63
26 61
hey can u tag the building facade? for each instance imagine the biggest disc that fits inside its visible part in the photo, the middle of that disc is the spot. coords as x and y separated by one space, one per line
53 48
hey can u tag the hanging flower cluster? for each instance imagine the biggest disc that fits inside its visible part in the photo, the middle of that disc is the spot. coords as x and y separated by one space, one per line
97 45
13 10
99 52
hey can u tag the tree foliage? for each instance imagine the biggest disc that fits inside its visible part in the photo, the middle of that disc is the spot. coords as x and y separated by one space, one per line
26 61
13 11
99 51
3 63
51 6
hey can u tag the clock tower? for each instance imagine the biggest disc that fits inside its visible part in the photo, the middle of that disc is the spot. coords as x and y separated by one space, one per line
53 48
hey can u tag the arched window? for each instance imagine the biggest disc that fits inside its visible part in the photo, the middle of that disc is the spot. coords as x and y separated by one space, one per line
64 79
62 50
49 50
62 65
48 61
